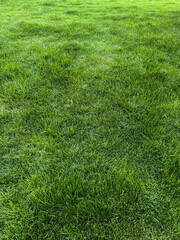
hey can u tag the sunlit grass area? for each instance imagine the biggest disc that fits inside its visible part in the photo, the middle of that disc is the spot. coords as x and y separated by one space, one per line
89 119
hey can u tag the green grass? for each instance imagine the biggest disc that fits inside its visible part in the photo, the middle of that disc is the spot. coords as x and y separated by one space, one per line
89 119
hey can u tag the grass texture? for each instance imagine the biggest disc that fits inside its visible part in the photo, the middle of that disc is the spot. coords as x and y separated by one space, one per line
89 119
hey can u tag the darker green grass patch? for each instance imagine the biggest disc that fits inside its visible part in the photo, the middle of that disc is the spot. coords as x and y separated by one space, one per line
77 199
58 67
73 49
72 12
29 29
48 4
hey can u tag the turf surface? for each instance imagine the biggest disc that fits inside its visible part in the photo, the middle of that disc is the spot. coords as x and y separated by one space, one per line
89 119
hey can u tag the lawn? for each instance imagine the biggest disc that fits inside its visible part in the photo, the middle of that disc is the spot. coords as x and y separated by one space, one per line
89 119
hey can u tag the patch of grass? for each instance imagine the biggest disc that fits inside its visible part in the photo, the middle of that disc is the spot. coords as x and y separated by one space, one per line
89 119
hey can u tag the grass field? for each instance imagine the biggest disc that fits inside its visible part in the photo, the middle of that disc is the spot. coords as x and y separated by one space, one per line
89 119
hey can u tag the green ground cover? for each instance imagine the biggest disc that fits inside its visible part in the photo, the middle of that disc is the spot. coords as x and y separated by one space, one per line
89 119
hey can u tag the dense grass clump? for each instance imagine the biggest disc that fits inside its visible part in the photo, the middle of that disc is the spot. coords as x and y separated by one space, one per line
89 119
